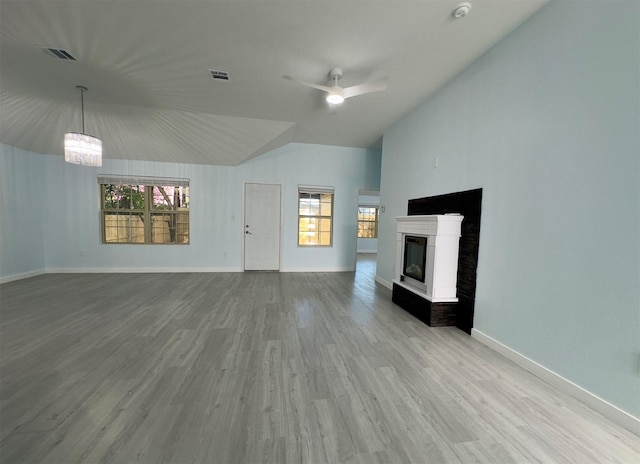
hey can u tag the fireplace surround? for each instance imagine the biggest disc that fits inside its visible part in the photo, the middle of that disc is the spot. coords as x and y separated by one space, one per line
426 266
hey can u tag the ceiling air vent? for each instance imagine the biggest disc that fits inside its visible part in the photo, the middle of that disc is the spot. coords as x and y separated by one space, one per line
219 75
58 53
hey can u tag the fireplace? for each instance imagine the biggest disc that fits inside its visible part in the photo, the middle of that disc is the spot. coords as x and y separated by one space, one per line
426 268
427 255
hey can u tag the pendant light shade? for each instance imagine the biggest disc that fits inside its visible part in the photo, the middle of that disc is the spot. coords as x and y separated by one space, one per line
81 148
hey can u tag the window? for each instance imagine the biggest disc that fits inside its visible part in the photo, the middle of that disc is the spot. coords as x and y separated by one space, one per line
144 210
367 222
315 216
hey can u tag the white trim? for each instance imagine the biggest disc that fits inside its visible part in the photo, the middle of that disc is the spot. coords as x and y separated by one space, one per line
316 269
142 180
596 403
135 270
367 252
384 283
23 275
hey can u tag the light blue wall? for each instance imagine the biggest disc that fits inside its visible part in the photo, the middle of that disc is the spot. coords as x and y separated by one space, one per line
374 162
22 212
345 169
547 124
65 219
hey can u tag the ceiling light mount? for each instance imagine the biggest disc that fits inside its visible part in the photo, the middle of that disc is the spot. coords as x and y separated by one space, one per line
335 74
461 10
81 148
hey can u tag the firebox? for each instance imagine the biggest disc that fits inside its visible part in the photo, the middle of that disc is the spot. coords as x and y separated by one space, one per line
415 258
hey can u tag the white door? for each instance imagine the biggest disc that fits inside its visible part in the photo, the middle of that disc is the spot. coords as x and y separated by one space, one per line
261 227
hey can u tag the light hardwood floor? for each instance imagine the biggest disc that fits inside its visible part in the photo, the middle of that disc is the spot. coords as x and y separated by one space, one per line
266 368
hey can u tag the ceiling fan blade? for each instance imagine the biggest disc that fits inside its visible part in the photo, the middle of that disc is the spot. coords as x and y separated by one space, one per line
308 84
367 87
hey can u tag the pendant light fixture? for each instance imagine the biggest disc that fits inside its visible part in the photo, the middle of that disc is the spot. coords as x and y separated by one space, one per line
80 148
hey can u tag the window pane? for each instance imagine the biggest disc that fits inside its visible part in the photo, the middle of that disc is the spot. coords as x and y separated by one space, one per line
309 204
170 228
161 197
325 238
170 198
123 196
307 224
182 228
308 231
123 228
326 204
162 228
366 213
325 225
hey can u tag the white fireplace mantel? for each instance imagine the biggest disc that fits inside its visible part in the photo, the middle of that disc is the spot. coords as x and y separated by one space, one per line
441 267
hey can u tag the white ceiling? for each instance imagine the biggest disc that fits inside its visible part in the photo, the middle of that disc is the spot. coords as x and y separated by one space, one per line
150 95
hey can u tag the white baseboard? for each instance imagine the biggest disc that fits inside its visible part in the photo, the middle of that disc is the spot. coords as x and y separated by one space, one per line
137 270
142 270
23 275
313 269
596 403
384 283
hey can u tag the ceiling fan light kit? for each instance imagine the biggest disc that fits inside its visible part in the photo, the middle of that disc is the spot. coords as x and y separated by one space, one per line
335 98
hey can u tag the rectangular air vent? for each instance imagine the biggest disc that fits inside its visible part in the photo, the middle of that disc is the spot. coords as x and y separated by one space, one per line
58 53
219 75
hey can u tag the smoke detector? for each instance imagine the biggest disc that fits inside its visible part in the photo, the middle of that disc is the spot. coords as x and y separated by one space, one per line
461 10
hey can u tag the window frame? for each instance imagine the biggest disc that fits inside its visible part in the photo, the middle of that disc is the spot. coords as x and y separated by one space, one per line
149 210
375 221
319 218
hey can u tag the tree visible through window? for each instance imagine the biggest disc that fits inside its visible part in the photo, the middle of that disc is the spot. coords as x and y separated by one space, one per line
152 214
367 222
315 217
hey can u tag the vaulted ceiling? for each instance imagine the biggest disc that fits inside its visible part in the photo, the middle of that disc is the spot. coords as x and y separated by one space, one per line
151 97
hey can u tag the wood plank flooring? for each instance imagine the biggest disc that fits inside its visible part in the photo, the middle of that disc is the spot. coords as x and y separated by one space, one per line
266 368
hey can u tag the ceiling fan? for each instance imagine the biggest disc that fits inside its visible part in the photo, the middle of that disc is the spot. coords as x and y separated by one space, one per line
337 94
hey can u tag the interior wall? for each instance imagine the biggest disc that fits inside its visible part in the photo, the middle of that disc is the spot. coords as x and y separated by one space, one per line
546 123
63 232
22 212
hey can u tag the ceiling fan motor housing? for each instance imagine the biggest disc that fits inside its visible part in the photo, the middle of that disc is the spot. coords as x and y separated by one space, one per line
335 73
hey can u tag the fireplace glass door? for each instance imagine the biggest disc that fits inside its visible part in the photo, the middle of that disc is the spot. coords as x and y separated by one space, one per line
415 256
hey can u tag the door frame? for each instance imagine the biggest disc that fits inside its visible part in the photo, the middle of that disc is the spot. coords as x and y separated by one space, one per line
243 222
